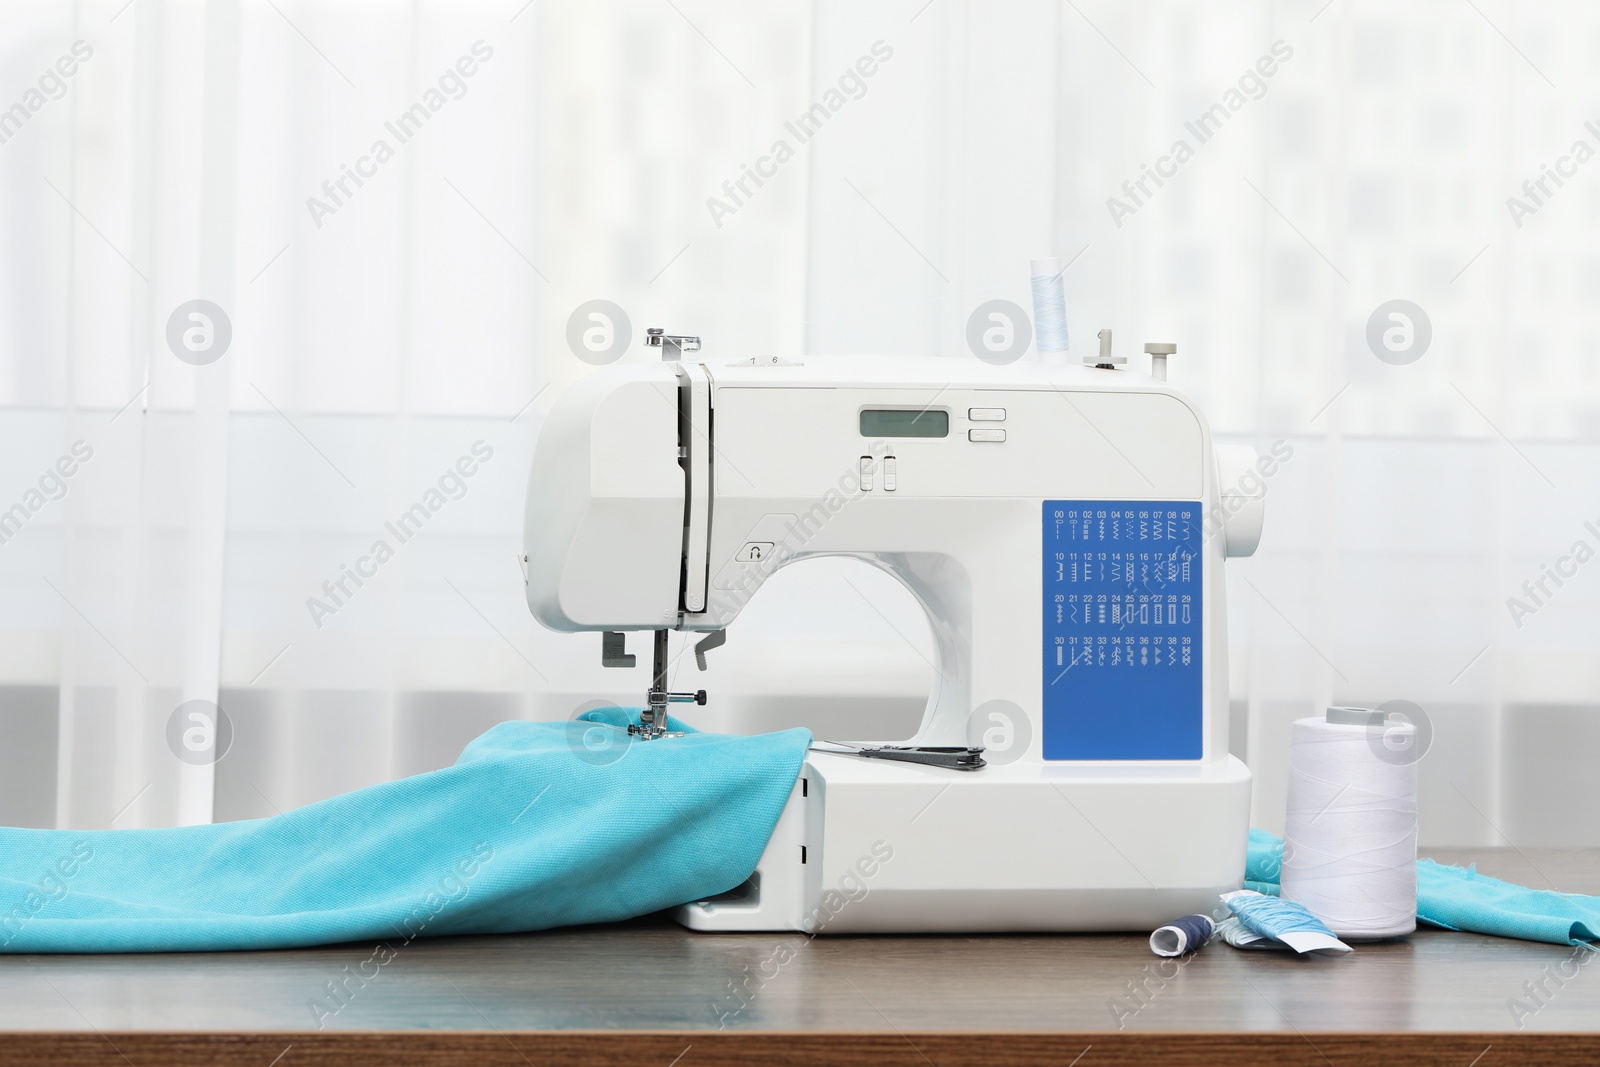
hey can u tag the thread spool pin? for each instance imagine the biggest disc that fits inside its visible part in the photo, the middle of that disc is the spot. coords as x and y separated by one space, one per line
1105 360
1158 354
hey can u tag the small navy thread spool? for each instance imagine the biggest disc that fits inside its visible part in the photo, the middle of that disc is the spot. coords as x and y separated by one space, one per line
1187 934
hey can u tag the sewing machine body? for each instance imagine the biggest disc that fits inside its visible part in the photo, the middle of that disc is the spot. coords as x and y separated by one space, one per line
1042 515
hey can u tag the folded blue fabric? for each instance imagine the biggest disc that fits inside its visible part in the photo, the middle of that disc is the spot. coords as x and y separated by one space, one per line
537 825
1459 898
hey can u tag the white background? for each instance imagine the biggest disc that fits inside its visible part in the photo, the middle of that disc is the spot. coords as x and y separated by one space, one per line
429 312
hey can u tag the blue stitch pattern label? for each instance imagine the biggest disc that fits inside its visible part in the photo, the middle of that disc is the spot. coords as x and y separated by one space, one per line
1122 630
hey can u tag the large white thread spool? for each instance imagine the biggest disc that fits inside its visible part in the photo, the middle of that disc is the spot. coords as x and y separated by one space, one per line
1350 831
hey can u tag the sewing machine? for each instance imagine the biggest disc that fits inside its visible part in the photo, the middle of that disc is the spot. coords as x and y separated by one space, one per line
1064 528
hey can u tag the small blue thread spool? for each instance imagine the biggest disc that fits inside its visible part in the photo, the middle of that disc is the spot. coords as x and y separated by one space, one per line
1186 934
1049 306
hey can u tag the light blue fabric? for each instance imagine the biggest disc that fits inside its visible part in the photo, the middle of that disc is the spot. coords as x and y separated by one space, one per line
537 825
1459 898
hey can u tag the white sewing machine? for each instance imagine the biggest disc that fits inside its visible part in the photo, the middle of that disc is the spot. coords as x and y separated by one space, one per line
1065 529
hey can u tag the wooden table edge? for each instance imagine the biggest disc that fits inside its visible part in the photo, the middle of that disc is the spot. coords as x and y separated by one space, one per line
715 1048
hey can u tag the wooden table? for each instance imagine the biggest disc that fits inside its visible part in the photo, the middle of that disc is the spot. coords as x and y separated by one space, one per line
649 992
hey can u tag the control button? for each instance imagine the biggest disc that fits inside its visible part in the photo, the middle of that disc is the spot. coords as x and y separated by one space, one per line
889 473
986 435
866 473
754 551
987 414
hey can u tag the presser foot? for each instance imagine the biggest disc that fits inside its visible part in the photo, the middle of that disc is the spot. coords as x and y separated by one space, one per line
647 732
653 721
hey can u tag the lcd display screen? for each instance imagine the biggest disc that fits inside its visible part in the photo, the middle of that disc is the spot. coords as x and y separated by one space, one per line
877 422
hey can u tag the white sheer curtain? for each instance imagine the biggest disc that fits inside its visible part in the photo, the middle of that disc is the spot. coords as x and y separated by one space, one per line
383 329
